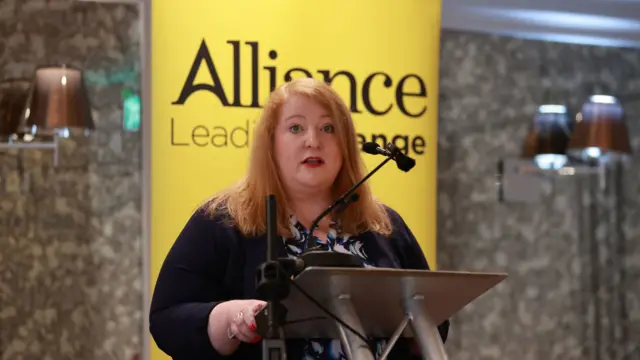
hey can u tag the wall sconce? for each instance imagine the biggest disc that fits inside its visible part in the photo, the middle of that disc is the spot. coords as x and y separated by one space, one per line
601 132
13 97
557 145
548 137
56 105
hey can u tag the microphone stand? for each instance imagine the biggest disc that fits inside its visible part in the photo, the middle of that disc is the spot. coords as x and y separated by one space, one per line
273 287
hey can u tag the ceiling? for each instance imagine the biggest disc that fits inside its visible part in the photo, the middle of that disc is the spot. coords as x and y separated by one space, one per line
590 22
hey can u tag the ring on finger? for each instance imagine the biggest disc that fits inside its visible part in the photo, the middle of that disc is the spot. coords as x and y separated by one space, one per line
230 334
240 316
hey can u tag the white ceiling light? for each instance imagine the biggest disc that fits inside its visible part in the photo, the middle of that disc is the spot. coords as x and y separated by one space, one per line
557 19
572 38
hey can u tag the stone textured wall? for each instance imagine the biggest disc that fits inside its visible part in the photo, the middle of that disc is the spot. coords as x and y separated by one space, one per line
570 294
70 264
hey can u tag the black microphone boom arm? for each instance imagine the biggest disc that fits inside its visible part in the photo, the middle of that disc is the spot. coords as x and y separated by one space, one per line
340 201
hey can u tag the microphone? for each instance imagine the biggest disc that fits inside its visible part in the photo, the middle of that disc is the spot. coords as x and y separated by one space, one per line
403 162
373 149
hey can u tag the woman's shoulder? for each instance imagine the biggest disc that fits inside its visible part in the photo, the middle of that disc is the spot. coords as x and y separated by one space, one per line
400 231
209 218
391 212
394 216
404 242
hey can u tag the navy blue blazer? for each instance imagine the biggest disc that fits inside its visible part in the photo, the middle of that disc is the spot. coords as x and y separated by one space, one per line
211 262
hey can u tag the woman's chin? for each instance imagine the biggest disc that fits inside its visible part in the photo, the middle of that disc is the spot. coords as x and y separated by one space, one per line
315 187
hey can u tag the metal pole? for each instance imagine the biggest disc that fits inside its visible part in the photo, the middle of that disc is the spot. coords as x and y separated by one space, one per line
353 345
425 331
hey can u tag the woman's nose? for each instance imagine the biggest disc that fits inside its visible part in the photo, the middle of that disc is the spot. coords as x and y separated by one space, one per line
312 139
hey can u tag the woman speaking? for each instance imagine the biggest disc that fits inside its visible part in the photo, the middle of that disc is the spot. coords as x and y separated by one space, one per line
306 153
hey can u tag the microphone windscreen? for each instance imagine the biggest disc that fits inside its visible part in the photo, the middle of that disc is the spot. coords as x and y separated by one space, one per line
371 148
405 163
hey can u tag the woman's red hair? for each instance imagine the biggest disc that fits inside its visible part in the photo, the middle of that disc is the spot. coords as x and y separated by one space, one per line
245 200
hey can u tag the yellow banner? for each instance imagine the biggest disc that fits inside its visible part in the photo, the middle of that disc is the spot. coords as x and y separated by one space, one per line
215 62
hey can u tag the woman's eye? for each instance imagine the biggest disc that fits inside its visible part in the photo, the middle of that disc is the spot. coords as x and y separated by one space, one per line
295 128
328 128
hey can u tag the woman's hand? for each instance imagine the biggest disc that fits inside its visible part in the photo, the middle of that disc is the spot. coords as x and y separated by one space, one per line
242 325
232 322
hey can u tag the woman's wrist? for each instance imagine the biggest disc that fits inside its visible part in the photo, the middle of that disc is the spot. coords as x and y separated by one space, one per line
217 330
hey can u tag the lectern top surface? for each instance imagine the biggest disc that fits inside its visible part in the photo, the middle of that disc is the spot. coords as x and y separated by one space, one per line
378 295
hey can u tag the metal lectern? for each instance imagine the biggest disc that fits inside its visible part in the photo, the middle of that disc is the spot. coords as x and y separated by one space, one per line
381 303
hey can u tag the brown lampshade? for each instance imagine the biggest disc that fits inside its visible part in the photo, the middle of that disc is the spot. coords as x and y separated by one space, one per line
58 104
601 130
548 137
13 97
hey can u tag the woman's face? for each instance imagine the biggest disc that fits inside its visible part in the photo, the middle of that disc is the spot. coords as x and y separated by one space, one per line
307 150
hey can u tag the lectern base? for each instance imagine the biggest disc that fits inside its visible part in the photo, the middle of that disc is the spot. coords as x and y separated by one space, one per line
354 347
425 330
